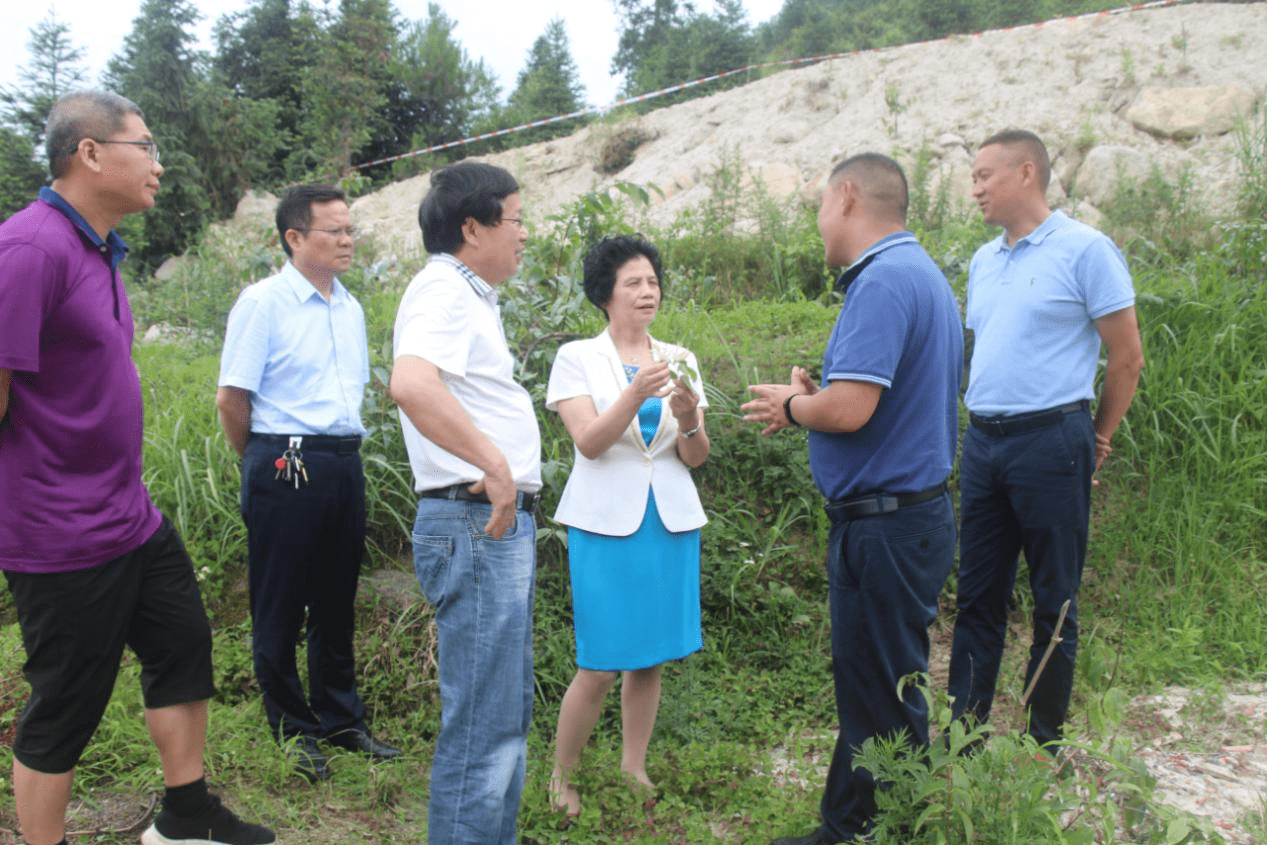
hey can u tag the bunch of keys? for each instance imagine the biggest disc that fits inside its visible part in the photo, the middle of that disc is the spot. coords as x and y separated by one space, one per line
290 466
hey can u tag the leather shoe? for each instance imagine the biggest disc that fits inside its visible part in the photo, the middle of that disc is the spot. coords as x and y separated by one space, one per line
818 837
309 760
364 742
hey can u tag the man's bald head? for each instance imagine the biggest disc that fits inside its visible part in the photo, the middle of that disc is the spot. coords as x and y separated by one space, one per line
879 180
1024 146
84 114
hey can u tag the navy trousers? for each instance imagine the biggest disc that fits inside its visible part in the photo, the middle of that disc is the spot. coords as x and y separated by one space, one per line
1027 492
306 545
885 573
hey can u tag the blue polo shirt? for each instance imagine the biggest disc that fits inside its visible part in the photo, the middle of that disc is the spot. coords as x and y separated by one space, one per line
303 358
1032 308
898 328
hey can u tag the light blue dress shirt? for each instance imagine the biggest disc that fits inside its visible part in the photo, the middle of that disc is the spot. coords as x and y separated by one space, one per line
304 359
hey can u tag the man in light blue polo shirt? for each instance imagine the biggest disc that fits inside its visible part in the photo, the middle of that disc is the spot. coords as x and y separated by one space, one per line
292 375
1041 299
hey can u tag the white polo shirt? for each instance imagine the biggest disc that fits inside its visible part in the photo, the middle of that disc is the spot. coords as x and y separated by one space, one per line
450 318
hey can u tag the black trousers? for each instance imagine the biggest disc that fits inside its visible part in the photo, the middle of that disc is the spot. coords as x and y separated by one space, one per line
306 544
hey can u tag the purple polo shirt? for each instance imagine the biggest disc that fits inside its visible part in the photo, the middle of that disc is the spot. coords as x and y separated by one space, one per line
71 495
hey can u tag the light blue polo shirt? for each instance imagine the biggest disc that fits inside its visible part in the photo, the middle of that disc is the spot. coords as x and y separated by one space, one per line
304 359
1032 308
898 328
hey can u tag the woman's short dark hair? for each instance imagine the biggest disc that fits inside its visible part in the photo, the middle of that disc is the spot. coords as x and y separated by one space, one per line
605 259
294 211
466 189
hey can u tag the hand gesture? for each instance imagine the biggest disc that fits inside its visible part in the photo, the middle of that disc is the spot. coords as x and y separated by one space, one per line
682 404
768 406
651 380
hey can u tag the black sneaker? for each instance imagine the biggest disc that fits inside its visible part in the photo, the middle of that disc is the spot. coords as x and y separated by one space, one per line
216 825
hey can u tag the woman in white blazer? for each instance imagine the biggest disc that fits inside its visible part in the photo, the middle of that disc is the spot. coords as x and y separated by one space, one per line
635 410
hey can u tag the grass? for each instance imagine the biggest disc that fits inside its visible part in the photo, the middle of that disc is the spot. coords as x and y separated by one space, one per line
1176 569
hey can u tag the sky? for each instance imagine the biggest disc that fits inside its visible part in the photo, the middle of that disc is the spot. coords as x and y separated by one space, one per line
500 32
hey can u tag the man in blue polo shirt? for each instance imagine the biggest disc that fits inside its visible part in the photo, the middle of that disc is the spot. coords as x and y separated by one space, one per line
91 563
882 433
1041 298
292 375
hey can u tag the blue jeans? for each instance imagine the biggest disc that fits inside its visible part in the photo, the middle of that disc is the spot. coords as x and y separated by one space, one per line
885 573
482 590
1027 492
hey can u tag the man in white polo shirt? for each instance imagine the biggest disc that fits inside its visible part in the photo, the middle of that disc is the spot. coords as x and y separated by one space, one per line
475 451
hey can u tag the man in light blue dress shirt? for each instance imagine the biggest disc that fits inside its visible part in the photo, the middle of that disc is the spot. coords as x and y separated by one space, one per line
292 375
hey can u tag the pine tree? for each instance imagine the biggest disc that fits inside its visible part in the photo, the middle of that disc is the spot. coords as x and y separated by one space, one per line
549 85
156 69
439 93
664 43
345 93
54 70
263 55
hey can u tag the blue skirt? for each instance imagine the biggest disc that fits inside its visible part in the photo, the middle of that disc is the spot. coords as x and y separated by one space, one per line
635 599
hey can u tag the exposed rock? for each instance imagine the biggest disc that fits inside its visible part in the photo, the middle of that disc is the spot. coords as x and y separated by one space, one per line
1087 213
1105 167
1182 113
1065 79
167 333
779 180
256 207
169 268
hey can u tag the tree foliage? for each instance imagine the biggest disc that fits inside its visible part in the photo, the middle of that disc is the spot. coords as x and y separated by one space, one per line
549 85
157 70
299 90
438 92
347 90
54 69
664 42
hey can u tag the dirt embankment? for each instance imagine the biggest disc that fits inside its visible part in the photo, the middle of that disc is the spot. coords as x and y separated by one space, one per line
1112 94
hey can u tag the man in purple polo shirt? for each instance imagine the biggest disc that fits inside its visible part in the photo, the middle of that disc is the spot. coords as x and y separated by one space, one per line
91 563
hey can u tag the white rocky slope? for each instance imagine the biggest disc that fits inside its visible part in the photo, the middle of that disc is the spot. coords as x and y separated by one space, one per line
1112 94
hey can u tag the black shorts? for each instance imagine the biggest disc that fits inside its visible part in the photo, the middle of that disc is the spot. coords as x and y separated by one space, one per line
74 626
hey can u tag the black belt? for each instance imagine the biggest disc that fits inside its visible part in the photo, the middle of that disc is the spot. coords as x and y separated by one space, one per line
873 504
523 501
339 444
1017 423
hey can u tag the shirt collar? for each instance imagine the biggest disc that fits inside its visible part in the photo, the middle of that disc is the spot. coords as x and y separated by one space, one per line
855 269
482 288
113 248
1036 237
304 290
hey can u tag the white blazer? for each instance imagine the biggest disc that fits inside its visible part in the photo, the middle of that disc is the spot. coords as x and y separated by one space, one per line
608 494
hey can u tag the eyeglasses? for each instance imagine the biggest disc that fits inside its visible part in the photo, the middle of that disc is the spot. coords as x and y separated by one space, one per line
350 231
518 221
151 148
